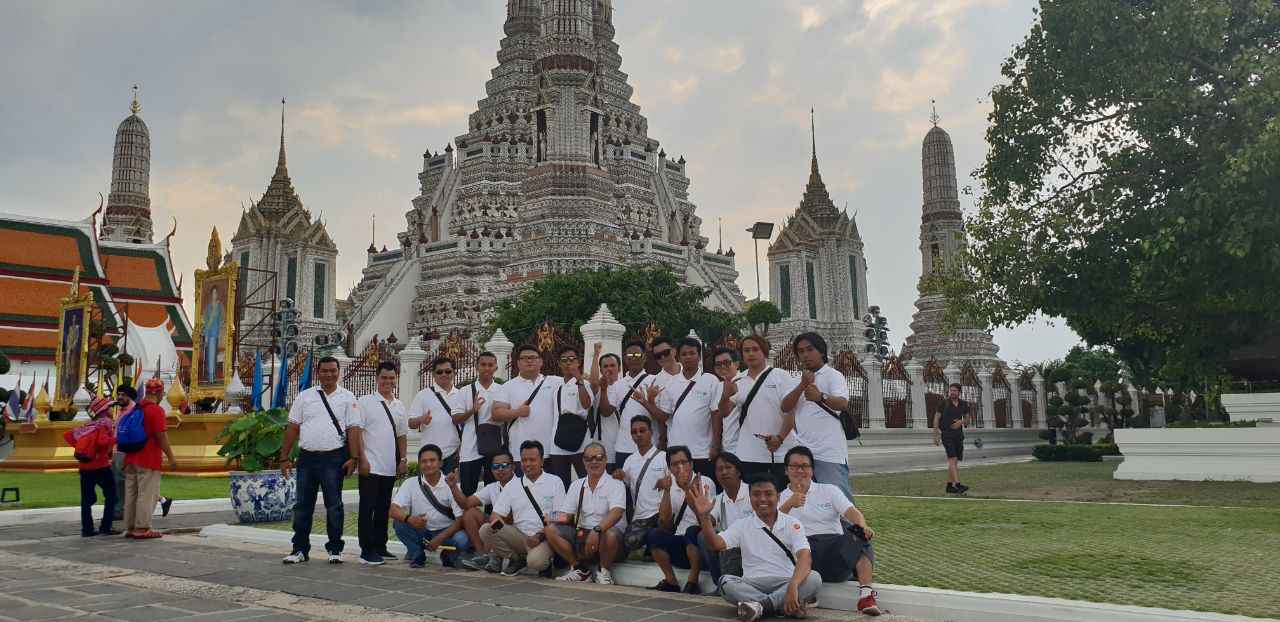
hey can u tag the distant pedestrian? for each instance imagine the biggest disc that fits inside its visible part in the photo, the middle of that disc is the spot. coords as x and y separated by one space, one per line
948 430
94 442
142 464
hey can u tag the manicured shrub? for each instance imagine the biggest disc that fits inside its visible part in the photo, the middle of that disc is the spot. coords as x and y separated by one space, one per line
1066 453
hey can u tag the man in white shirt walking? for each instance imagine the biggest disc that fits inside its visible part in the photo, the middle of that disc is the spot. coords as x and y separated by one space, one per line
426 516
515 531
817 402
382 429
767 430
476 400
527 403
436 414
776 575
318 422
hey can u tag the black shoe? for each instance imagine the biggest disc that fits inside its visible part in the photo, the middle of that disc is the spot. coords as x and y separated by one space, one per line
418 563
961 489
663 586
388 556
109 532
165 504
88 534
951 488
692 588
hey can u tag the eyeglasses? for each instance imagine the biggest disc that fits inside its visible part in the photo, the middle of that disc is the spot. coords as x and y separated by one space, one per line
500 466
593 458
800 467
444 372
661 354
723 363
635 355
568 359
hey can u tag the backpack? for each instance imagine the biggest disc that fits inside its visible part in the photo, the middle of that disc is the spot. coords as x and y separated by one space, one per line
87 447
131 434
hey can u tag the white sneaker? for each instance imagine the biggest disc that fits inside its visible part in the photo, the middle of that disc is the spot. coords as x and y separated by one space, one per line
335 558
749 612
576 575
296 557
604 577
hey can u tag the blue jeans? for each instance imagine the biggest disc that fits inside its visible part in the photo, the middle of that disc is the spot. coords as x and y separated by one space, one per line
319 472
412 538
833 473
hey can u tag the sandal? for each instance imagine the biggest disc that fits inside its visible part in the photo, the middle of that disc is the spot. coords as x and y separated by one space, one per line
149 535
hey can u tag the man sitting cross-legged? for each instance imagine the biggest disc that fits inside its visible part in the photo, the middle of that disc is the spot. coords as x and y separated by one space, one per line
425 515
674 542
589 525
776 575
524 508
473 516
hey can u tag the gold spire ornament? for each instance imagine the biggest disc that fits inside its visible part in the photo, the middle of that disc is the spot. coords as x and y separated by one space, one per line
42 405
135 108
214 259
176 396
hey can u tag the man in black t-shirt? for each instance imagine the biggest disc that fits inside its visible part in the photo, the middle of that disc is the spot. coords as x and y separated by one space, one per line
948 431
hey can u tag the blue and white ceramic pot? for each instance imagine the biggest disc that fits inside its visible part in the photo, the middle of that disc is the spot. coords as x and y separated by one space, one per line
263 496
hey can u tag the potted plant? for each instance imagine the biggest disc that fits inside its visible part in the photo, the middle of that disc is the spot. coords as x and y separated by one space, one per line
251 443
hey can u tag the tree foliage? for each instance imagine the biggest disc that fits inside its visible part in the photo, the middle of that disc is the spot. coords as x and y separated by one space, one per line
1132 181
760 314
635 296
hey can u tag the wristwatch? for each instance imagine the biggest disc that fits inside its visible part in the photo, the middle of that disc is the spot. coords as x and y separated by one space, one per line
822 398
596 529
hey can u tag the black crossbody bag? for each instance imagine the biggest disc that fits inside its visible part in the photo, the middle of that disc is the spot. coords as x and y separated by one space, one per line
489 436
570 428
847 423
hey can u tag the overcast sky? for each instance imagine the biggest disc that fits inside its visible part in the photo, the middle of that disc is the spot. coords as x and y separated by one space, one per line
371 85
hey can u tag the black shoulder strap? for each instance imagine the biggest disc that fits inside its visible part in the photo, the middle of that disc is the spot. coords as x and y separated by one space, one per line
431 498
476 417
627 397
755 388
341 435
536 508
535 392
684 505
392 422
687 389
448 410
577 515
782 546
644 469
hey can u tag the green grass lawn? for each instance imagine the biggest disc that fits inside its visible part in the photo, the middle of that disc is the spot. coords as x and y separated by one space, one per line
1200 558
47 490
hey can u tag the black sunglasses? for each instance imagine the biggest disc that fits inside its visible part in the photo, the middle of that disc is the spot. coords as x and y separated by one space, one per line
661 354
444 372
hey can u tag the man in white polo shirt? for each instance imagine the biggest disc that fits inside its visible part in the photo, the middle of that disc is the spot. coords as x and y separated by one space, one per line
776 575
318 422
475 506
476 400
817 402
521 513
436 414
605 370
527 403
622 400
381 428
641 474
693 404
767 430
663 351
573 409
590 522
426 516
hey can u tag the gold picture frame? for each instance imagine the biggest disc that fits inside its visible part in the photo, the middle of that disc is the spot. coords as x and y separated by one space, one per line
218 283
75 311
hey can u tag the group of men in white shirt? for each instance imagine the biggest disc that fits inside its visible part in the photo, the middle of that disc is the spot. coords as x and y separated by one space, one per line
629 493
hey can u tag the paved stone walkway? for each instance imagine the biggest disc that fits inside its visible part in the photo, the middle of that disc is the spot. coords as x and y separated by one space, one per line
184 577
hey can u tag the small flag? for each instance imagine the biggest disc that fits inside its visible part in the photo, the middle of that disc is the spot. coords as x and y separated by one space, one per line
304 382
256 396
28 409
15 401
282 387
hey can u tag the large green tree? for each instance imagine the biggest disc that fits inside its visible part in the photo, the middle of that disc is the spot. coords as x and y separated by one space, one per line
635 296
1132 182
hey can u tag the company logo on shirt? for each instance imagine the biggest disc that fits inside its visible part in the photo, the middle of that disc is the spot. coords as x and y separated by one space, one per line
795 526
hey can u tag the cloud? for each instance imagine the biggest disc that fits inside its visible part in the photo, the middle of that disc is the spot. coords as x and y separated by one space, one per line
811 17
673 55
681 89
727 59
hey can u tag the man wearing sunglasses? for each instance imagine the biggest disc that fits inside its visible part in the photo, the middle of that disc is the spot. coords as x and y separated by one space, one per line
436 414
664 352
474 512
573 404
622 399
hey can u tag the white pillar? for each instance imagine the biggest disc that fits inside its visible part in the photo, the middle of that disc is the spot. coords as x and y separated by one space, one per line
602 328
988 403
952 372
501 348
411 360
919 403
1015 399
1042 401
876 414
1133 399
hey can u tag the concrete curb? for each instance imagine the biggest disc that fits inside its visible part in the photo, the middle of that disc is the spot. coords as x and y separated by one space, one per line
906 600
65 514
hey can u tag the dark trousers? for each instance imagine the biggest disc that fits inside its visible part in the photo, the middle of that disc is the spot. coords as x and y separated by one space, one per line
449 464
777 469
620 458
705 466
563 466
90 480
319 472
471 473
375 502
117 474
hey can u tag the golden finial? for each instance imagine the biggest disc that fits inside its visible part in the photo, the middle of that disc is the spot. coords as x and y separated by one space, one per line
75 282
176 395
135 108
214 259
934 118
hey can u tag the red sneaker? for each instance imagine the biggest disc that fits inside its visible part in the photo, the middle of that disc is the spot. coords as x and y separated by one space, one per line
868 605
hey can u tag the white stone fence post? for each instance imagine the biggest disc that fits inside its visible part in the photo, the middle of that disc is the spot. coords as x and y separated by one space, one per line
603 329
501 348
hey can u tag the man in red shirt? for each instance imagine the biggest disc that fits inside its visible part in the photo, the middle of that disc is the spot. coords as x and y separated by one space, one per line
142 468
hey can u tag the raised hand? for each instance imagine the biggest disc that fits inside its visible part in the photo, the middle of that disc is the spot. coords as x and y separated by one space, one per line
452 478
730 387
806 379
812 393
522 411
663 484
699 497
479 403
652 392
773 442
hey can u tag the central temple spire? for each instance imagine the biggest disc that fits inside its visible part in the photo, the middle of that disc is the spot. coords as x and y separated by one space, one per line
282 169
814 176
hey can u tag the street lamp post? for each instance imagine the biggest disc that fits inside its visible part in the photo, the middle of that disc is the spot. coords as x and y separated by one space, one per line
759 231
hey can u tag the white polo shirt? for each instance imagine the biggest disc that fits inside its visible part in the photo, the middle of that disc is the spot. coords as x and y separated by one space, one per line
547 490
440 431
824 504
488 495
539 425
815 427
567 402
315 427
690 425
644 497
764 416
380 435
468 451
729 437
728 510
596 503
617 393
761 556
690 517
412 500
